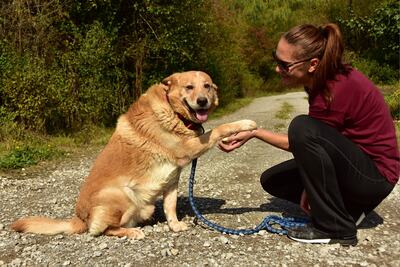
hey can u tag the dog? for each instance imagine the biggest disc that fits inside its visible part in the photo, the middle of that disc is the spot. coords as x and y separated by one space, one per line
159 134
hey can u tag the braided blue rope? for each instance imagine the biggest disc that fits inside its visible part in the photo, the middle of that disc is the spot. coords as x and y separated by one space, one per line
267 223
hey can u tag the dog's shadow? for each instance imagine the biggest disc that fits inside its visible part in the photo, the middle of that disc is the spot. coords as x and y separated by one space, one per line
207 205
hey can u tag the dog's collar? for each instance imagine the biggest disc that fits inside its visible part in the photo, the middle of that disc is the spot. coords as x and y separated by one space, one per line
189 124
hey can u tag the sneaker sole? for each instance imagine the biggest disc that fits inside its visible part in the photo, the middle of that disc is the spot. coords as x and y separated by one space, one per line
311 241
350 242
359 221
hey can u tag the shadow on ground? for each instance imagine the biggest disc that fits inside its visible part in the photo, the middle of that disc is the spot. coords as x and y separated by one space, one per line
207 205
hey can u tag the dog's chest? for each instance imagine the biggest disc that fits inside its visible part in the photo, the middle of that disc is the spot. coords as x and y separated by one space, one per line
164 173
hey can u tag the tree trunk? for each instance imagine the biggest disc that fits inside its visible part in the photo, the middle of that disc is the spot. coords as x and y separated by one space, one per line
138 74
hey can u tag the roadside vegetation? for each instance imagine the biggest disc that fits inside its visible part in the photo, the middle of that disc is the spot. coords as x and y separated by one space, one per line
284 112
69 68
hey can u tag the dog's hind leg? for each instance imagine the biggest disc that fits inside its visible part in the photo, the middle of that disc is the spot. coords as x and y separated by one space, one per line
108 220
130 218
101 218
133 215
134 233
145 213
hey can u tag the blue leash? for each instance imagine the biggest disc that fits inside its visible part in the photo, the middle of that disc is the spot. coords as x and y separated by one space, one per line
267 223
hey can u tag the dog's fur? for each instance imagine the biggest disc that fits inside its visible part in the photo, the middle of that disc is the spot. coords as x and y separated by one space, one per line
159 134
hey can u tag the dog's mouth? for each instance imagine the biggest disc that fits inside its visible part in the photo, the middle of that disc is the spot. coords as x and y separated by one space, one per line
200 114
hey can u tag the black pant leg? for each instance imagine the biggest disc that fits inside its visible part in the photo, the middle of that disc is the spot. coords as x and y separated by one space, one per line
283 181
336 174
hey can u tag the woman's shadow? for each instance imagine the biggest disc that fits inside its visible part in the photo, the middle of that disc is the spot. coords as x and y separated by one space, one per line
207 205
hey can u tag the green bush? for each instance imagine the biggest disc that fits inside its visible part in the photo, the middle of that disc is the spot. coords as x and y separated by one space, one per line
25 92
84 85
9 128
374 35
378 72
222 57
91 85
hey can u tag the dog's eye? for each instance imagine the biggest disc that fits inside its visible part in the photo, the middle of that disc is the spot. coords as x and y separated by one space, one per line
189 87
207 86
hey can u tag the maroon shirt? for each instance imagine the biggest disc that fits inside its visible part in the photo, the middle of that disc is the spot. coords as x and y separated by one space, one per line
359 112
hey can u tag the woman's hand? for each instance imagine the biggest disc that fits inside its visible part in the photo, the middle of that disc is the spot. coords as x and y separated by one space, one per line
234 141
304 204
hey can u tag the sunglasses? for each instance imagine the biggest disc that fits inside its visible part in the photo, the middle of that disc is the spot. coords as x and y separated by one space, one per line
284 65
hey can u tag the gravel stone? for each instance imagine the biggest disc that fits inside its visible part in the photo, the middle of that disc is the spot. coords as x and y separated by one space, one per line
174 251
224 240
103 246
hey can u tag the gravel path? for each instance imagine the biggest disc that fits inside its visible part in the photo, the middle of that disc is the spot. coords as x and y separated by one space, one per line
227 191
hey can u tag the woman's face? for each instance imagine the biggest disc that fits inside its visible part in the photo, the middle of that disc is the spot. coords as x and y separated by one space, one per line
293 71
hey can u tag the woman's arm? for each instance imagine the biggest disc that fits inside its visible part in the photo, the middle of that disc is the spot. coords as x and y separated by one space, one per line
235 141
276 139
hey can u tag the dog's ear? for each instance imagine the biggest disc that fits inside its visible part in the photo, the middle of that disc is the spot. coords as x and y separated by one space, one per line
170 80
166 81
215 86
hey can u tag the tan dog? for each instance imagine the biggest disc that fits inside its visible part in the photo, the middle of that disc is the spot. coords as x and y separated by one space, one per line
153 140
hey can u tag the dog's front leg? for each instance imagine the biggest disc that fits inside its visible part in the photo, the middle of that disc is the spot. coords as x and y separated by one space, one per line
170 200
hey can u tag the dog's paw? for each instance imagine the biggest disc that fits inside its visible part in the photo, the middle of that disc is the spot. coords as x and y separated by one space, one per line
134 233
247 125
178 226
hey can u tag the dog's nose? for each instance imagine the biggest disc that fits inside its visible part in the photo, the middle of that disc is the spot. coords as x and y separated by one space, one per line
202 101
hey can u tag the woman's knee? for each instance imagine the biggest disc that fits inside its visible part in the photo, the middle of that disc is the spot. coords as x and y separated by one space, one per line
300 130
281 188
267 184
270 182
265 180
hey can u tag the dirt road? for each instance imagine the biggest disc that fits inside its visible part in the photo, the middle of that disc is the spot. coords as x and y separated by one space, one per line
227 191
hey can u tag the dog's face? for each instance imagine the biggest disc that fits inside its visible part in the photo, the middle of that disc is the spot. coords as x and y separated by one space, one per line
192 94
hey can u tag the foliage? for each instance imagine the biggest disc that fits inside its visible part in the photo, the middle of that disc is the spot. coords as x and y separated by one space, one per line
25 156
224 58
393 101
378 72
375 36
9 127
95 57
68 64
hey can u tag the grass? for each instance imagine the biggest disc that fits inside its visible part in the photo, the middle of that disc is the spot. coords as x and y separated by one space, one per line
284 112
20 157
280 126
25 148
231 107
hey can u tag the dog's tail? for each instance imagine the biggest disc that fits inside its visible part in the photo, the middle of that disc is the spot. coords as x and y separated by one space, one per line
47 226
